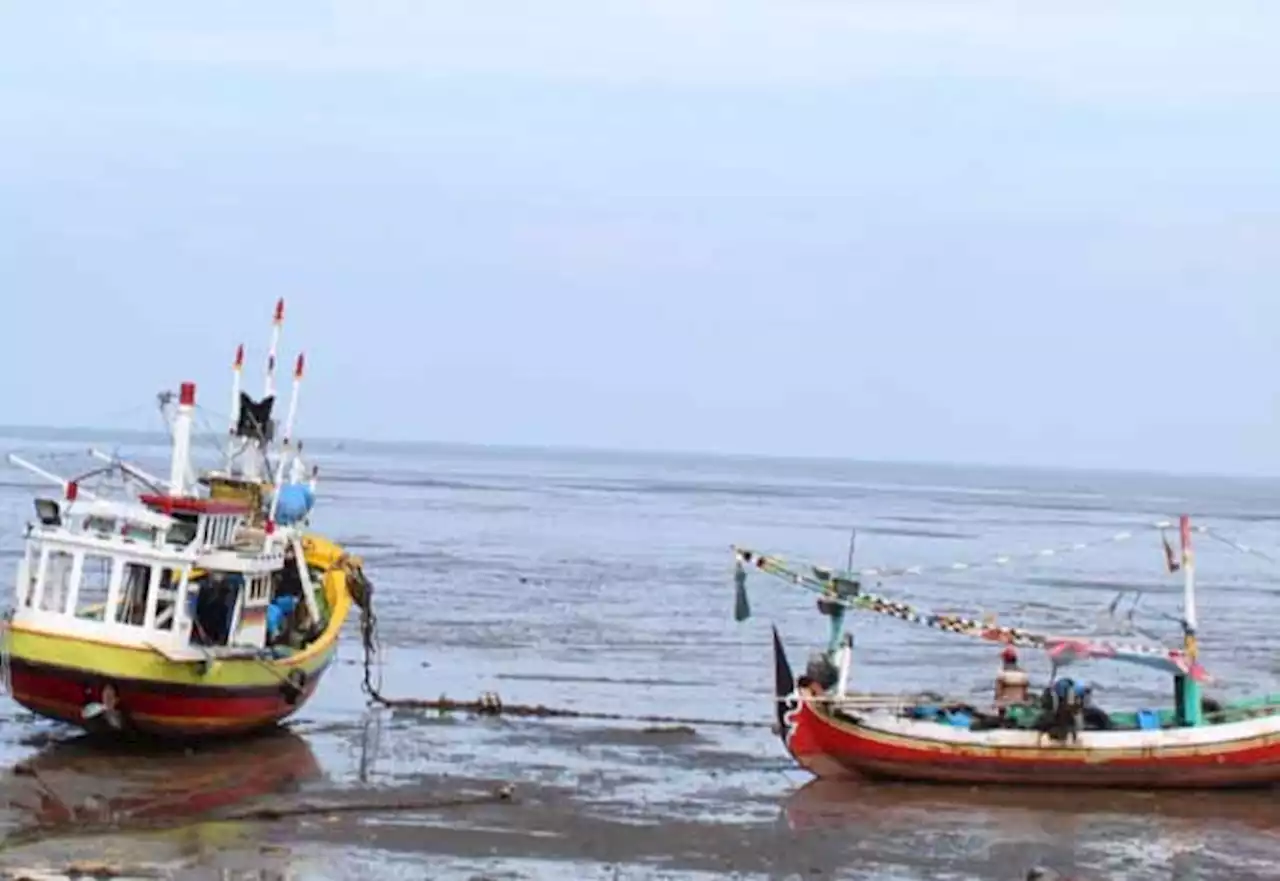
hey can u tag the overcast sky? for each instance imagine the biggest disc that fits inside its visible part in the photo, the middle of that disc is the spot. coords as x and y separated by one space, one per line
957 231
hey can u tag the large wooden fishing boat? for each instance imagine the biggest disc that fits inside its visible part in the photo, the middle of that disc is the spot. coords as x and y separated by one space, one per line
1055 738
201 605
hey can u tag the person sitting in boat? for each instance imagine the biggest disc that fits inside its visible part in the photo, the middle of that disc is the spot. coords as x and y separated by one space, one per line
1012 683
1094 716
279 618
287 581
821 673
215 605
1061 714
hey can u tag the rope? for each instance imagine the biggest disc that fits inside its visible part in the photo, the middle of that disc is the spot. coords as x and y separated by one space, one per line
6 669
1232 543
489 703
999 559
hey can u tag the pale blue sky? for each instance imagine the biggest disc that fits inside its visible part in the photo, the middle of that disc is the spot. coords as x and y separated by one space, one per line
900 229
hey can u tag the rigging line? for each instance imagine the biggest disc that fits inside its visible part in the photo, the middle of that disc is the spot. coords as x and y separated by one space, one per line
1232 543
999 559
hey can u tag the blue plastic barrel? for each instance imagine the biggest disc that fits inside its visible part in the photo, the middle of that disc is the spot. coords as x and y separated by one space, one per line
296 501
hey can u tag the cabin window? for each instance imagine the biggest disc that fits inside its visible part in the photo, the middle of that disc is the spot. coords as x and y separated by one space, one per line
100 525
95 587
184 530
135 588
139 533
58 567
167 593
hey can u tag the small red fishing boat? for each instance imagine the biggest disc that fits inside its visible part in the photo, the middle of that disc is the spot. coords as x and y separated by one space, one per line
1055 739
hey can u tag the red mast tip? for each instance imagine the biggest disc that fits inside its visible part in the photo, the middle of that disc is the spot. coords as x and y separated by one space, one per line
280 309
297 371
187 394
239 356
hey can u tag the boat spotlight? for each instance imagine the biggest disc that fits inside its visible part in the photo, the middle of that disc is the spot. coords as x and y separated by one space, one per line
48 512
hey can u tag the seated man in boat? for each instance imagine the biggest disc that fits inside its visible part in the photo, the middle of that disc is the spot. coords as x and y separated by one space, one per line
280 618
1094 717
287 581
820 673
1061 710
1012 683
215 604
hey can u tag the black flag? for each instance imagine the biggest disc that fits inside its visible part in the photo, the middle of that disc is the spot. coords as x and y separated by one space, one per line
741 605
255 419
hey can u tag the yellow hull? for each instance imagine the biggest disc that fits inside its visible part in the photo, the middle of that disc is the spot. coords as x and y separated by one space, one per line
56 675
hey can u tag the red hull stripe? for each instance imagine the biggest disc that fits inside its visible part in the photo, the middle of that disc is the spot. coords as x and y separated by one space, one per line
163 708
834 748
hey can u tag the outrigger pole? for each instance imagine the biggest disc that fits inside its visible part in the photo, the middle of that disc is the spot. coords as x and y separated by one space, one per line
131 470
22 463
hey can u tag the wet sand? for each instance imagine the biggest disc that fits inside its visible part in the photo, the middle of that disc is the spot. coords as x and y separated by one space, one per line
603 584
270 807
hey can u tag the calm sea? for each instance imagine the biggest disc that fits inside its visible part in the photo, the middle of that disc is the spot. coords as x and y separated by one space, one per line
602 582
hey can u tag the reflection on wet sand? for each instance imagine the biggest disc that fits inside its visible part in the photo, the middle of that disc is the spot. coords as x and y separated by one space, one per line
826 803
82 789
1097 834
78 781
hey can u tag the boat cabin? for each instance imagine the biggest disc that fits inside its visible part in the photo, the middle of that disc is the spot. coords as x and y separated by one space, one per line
184 576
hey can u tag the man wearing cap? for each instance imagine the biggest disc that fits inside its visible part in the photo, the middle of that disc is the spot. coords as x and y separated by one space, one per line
1012 682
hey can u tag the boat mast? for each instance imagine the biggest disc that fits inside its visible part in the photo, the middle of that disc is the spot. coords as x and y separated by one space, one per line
1189 689
288 433
236 370
180 463
1188 588
253 467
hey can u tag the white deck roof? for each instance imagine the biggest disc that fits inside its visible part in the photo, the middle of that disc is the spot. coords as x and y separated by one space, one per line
114 510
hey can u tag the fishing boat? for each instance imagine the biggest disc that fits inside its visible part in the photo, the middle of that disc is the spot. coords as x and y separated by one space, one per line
1056 738
200 605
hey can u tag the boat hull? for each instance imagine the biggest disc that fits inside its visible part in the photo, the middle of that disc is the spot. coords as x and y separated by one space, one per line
159 707
884 745
69 677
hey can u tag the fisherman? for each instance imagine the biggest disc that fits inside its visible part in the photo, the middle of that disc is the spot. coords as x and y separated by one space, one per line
287 581
279 613
1061 707
1012 683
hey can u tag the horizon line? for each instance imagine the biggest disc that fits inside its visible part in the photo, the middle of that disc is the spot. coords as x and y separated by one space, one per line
159 437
